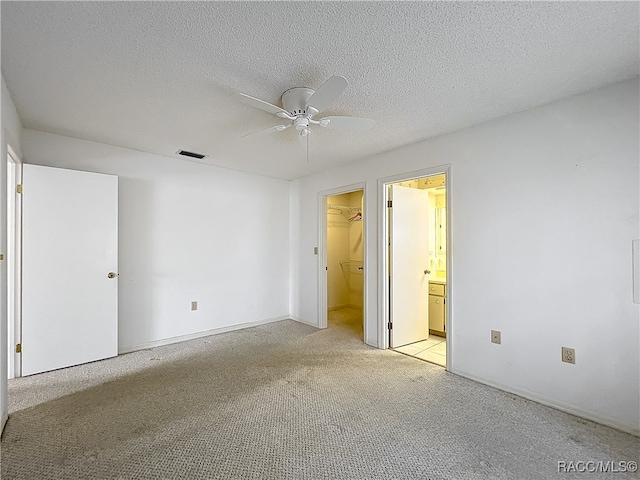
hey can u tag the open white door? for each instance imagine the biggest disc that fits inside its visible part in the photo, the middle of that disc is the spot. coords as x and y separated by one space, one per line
409 258
70 260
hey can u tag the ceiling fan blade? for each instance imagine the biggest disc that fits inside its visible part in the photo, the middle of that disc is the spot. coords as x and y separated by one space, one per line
277 128
347 123
328 93
261 104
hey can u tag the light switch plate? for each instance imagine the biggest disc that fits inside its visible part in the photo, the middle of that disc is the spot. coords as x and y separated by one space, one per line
635 259
495 337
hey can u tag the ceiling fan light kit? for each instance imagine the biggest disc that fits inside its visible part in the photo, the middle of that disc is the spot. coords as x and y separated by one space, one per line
301 104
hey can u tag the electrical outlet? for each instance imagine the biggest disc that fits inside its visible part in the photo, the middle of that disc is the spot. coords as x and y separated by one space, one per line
568 355
495 336
194 305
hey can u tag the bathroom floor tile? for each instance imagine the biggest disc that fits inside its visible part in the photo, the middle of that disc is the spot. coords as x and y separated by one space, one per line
409 349
429 356
440 349
434 350
430 342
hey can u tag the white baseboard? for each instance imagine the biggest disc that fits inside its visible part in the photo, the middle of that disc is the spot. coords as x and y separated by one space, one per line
191 336
300 320
563 407
3 422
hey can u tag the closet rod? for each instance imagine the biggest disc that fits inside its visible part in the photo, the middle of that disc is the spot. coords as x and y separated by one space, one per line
342 207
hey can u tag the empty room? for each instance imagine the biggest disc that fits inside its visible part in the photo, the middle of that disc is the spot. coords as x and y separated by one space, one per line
301 240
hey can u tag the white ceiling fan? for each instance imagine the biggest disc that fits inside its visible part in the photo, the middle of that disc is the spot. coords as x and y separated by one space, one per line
301 104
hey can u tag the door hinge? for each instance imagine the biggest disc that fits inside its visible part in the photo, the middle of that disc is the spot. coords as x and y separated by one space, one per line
18 348
19 188
389 203
1 256
390 326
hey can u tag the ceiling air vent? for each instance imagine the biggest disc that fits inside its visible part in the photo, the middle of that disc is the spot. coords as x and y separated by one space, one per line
186 153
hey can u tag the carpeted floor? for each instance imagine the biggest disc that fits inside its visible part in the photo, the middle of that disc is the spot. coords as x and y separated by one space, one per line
287 401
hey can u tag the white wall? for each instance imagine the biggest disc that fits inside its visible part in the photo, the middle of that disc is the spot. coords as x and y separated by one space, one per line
544 254
187 232
11 132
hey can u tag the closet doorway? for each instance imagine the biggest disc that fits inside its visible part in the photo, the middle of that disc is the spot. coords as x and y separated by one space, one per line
417 264
343 302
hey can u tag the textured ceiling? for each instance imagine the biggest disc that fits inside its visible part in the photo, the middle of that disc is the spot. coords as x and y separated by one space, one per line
159 76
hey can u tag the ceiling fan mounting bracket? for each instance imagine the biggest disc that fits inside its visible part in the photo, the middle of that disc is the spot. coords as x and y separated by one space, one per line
295 99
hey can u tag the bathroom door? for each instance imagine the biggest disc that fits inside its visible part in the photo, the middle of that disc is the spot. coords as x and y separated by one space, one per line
409 258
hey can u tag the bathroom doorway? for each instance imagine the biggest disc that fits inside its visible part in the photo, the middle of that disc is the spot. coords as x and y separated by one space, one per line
417 265
343 235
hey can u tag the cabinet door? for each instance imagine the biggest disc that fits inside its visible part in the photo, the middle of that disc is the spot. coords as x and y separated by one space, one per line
436 313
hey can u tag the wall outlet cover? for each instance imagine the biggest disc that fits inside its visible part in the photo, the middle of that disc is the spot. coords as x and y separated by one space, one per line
568 355
194 305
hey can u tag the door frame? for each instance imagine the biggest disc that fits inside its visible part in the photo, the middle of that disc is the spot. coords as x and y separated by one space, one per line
322 252
383 254
14 263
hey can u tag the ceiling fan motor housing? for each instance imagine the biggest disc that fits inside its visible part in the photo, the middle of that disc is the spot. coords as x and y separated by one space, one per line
301 123
295 99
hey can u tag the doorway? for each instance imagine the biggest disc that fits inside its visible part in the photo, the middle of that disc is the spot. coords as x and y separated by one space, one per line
417 264
342 304
14 255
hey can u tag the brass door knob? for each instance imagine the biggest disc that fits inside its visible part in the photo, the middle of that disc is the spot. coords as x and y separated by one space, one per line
112 274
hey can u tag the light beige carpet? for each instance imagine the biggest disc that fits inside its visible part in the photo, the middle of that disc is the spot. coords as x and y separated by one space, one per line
287 401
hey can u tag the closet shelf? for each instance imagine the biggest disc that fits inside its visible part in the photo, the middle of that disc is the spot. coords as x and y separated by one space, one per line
349 263
342 207
353 214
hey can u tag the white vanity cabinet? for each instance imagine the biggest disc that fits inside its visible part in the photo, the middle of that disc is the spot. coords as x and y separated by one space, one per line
437 311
